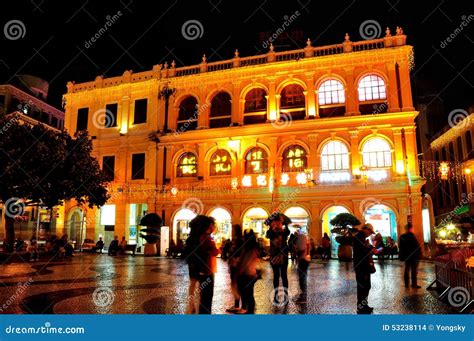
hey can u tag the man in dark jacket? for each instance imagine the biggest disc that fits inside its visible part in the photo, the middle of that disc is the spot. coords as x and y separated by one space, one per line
363 266
410 253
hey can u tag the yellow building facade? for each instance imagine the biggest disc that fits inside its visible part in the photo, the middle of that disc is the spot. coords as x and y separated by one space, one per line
310 132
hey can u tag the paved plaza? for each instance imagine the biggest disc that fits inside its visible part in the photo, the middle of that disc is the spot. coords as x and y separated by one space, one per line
100 284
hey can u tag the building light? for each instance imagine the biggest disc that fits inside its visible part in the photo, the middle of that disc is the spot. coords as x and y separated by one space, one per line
377 175
234 145
467 171
284 179
442 234
450 227
311 111
400 167
124 128
335 176
271 181
247 181
443 170
301 178
174 191
262 180
234 183
273 115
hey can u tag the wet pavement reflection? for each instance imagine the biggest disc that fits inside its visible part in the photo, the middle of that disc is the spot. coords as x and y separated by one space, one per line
99 284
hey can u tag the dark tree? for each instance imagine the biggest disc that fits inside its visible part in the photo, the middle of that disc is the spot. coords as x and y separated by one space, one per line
42 166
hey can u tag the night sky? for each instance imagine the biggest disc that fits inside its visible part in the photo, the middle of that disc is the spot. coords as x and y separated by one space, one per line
54 42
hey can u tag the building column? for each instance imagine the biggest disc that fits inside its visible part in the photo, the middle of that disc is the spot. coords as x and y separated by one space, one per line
404 209
392 89
272 114
405 86
237 108
399 155
411 153
310 95
314 161
352 99
354 150
315 230
358 209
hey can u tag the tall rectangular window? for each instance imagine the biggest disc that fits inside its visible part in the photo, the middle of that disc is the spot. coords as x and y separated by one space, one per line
108 166
82 118
140 111
111 115
138 166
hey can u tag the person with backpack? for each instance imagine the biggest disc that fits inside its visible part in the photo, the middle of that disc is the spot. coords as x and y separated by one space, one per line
248 272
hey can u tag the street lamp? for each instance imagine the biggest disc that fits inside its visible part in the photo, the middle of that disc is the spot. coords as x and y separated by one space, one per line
166 93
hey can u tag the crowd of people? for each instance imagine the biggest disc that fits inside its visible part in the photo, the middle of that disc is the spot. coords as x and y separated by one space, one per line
244 259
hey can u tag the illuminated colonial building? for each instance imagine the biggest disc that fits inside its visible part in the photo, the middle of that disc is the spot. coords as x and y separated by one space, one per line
310 132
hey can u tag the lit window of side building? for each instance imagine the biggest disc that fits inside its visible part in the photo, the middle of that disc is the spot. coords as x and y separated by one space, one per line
310 132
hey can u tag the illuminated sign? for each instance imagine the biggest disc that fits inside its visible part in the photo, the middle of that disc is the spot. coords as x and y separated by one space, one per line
221 163
301 178
335 176
187 165
284 179
247 181
261 180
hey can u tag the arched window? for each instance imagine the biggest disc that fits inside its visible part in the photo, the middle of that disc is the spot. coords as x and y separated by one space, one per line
294 159
188 114
255 103
187 165
256 161
331 92
334 156
372 88
376 153
292 101
221 108
221 163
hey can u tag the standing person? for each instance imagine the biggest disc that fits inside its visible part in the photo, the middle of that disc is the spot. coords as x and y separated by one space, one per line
113 247
191 245
99 245
410 253
303 258
207 251
248 272
326 244
364 267
234 254
123 246
278 252
291 246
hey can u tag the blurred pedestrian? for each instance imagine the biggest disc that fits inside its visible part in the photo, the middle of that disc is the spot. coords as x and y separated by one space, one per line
302 248
113 247
234 256
326 247
248 272
278 252
99 245
364 267
410 253
32 249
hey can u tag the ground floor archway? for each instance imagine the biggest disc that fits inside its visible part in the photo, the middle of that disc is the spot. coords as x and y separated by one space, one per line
328 214
254 219
223 224
299 216
75 227
383 219
181 224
